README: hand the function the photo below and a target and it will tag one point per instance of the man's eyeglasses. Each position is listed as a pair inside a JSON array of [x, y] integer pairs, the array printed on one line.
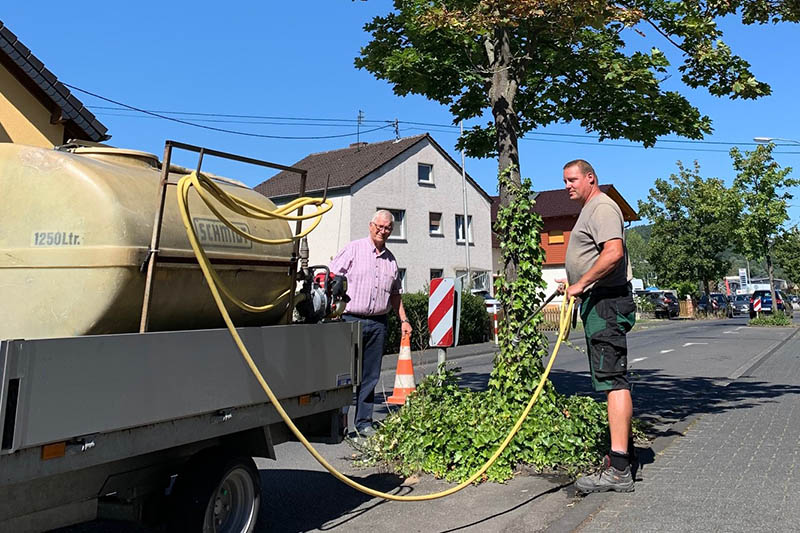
[[384, 229]]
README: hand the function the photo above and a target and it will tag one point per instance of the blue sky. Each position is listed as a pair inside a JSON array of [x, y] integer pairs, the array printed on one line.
[[275, 59]]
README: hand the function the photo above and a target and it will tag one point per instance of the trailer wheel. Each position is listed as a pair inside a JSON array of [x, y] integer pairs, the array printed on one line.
[[218, 495]]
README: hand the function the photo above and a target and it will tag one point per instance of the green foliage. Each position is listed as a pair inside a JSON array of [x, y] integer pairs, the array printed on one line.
[[787, 254], [638, 249], [687, 288], [450, 431], [763, 186], [475, 325], [556, 61], [778, 320], [694, 220]]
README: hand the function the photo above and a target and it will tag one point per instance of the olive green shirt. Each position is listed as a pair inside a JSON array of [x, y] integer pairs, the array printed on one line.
[[600, 221]]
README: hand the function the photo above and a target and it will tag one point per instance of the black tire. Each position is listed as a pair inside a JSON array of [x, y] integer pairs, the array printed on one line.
[[216, 493]]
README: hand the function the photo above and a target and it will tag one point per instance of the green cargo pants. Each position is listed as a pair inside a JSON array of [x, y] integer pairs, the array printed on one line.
[[608, 314]]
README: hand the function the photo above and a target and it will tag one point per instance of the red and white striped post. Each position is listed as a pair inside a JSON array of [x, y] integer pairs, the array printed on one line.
[[441, 315], [496, 341], [757, 306]]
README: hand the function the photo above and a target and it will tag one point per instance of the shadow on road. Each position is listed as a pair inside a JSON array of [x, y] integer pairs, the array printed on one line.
[[663, 399], [304, 500]]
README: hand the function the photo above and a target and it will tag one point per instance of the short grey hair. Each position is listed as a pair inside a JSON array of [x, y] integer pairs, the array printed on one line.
[[383, 213]]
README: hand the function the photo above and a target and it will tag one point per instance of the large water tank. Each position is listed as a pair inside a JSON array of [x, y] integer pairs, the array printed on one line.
[[75, 227]]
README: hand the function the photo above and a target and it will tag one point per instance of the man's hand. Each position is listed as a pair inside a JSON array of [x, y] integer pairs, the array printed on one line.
[[573, 291], [405, 327]]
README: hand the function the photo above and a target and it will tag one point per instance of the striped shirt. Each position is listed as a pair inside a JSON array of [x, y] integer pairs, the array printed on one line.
[[372, 277]]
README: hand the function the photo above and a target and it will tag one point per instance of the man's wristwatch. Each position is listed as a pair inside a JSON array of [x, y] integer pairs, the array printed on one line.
[[405, 322]]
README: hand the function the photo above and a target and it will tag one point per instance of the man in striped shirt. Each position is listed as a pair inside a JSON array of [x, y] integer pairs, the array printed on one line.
[[373, 285]]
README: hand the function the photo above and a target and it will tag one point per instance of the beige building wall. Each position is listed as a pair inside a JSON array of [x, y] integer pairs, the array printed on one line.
[[395, 186], [23, 119]]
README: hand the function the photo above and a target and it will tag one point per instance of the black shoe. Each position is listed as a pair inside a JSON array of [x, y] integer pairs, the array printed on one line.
[[609, 478]]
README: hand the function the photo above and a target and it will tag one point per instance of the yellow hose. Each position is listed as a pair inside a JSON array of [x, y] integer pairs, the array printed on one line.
[[229, 200]]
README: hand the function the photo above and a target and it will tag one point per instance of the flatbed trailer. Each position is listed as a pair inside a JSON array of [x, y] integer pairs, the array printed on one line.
[[162, 425]]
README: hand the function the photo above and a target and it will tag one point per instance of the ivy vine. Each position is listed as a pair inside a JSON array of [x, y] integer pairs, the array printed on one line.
[[450, 431]]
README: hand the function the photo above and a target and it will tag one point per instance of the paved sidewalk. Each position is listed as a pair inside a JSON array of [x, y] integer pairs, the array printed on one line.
[[735, 469]]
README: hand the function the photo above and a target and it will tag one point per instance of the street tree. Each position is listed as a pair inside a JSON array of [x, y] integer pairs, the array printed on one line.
[[530, 63], [787, 254], [637, 254], [694, 222], [763, 185]]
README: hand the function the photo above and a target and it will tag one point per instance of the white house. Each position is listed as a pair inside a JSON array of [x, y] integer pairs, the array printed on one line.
[[420, 184]]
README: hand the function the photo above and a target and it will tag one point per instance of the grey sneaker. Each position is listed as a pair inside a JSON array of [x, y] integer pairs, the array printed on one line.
[[608, 478]]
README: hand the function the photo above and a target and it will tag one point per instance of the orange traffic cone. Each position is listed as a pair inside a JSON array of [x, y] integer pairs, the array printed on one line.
[[404, 378]]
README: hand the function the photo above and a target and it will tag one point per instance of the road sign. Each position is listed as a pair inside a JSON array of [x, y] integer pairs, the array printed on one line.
[[441, 312], [757, 305]]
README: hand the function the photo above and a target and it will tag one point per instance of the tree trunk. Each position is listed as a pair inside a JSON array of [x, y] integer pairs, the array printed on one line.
[[502, 92], [771, 275]]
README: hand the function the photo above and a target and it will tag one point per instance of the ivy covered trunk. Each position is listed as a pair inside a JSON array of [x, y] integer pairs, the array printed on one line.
[[450, 431]]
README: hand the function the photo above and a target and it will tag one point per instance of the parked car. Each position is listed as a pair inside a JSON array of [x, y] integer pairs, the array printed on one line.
[[766, 303], [741, 304], [795, 299], [715, 303], [665, 304]]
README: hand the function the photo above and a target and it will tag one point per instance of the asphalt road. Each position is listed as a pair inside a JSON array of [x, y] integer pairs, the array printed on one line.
[[679, 368]]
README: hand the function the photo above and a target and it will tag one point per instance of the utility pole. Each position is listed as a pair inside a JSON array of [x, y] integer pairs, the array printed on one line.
[[358, 128], [466, 215]]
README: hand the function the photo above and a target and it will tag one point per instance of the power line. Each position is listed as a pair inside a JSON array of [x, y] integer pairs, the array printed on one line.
[[344, 122], [212, 128], [211, 120], [227, 115]]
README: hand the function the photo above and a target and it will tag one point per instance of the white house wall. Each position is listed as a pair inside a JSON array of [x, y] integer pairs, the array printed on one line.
[[395, 186], [332, 233]]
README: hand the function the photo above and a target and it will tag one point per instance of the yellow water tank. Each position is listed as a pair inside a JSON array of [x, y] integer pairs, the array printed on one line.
[[75, 227]]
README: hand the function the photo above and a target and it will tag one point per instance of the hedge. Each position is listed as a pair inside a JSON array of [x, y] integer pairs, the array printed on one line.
[[475, 324]]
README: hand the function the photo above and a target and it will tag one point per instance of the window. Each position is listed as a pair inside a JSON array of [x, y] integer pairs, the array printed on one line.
[[424, 173], [399, 232], [401, 274], [480, 279], [437, 273], [555, 236], [460, 229], [435, 223]]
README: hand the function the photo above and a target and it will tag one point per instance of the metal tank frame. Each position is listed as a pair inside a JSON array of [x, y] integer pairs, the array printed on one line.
[[152, 259]]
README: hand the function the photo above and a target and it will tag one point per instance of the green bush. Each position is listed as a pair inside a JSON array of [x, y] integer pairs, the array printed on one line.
[[475, 324], [771, 320]]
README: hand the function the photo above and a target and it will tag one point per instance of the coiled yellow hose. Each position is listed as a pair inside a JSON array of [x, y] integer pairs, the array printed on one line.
[[209, 191]]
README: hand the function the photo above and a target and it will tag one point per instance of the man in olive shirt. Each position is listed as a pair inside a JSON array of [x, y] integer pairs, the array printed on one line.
[[599, 273]]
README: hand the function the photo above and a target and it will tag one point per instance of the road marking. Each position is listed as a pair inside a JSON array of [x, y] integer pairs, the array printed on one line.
[[638, 359], [667, 351], [685, 344], [729, 331], [741, 327]]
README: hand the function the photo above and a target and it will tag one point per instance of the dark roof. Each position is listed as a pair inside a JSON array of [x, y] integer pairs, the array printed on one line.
[[79, 122], [556, 203], [346, 166]]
